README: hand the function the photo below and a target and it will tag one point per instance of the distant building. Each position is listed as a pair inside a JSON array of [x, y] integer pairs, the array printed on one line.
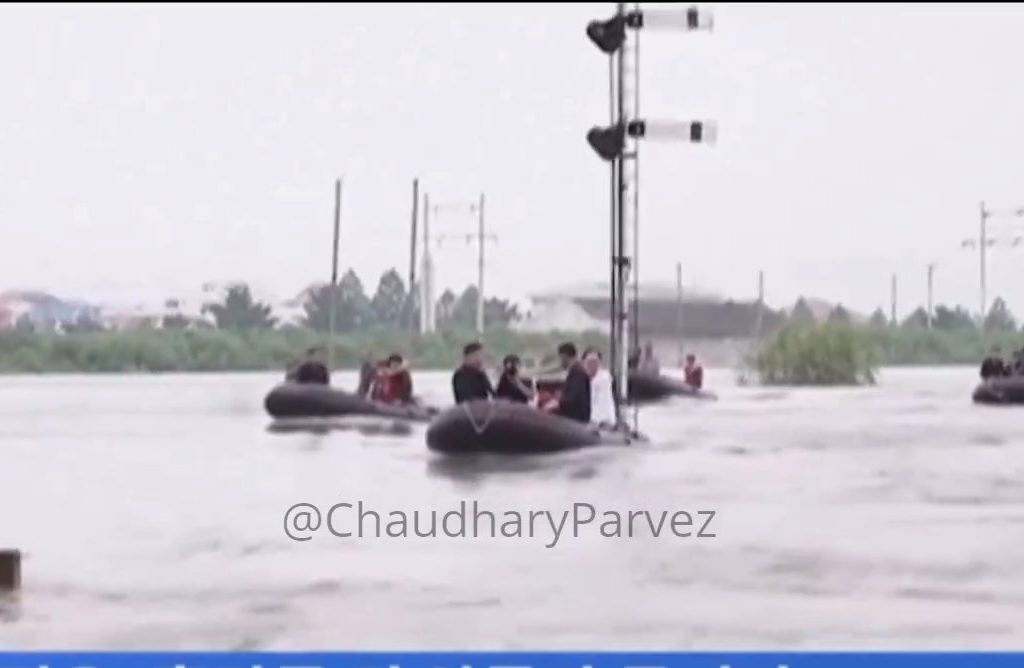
[[43, 310], [702, 315]]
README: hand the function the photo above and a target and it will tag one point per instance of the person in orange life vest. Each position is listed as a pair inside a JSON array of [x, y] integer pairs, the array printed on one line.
[[694, 372], [394, 382]]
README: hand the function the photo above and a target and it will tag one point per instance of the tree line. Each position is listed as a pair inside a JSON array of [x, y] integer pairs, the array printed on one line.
[[944, 318], [392, 306]]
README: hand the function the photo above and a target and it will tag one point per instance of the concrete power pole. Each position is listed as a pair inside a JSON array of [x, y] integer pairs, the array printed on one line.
[[410, 307], [480, 236], [982, 263], [427, 280], [894, 320], [759, 322], [983, 241], [679, 310], [931, 274], [481, 239]]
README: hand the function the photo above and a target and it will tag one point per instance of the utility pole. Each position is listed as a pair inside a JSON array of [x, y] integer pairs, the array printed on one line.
[[427, 280], [894, 320], [481, 237], [931, 273], [983, 242], [758, 323], [331, 312], [983, 264], [410, 310], [609, 143], [679, 310]]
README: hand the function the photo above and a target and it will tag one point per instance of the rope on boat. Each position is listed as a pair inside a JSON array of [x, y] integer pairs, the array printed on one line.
[[479, 429]]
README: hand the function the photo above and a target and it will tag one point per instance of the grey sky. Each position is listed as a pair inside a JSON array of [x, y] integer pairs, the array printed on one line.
[[145, 149]]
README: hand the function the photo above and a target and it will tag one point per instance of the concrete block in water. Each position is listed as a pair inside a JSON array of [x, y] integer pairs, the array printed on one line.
[[10, 570]]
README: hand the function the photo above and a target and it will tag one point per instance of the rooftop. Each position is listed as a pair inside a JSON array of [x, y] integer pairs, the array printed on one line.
[[649, 290]]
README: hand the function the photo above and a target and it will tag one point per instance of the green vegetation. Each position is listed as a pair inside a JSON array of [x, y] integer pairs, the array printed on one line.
[[835, 353], [168, 350], [240, 334], [841, 353]]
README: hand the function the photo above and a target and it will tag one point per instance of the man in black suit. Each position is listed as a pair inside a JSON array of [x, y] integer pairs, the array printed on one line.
[[574, 401], [469, 382]]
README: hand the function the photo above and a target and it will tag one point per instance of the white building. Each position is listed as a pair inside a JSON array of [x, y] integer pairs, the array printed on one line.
[[585, 307]]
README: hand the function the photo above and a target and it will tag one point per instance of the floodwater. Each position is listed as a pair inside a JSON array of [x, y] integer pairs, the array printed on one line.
[[151, 514]]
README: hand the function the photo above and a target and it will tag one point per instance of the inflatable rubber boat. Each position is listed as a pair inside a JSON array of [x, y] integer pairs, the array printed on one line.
[[647, 387], [506, 427], [643, 387], [1001, 391], [294, 400]]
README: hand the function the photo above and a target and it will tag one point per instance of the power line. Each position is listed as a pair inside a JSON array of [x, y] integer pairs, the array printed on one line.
[[983, 242], [480, 236]]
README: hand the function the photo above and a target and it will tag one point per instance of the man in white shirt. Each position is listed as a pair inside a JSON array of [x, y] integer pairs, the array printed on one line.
[[602, 403]]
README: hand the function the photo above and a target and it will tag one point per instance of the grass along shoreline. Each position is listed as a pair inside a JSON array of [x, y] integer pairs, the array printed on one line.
[[170, 351], [825, 354]]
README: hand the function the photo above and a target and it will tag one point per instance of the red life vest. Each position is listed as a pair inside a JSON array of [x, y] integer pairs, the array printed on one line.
[[383, 388], [544, 396], [390, 387], [695, 377]]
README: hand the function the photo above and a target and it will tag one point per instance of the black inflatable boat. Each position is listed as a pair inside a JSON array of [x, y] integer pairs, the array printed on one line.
[[647, 387], [1001, 391], [505, 427], [643, 388], [294, 400]]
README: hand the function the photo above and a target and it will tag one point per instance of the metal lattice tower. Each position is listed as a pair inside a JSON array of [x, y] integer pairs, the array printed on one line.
[[618, 144]]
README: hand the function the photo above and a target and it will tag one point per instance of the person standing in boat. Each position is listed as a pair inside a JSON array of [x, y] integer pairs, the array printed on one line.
[[694, 372], [633, 359], [993, 366], [394, 382], [469, 382], [574, 401], [649, 363], [367, 377], [1016, 368], [602, 403], [291, 371], [313, 370], [511, 386]]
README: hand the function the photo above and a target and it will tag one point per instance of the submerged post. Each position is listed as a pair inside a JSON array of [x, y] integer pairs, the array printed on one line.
[[10, 570]]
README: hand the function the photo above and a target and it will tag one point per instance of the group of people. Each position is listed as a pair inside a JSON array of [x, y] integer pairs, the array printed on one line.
[[387, 381], [648, 363], [312, 370], [585, 395], [996, 366]]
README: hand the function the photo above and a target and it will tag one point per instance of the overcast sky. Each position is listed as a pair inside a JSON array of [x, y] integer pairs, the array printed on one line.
[[146, 149]]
